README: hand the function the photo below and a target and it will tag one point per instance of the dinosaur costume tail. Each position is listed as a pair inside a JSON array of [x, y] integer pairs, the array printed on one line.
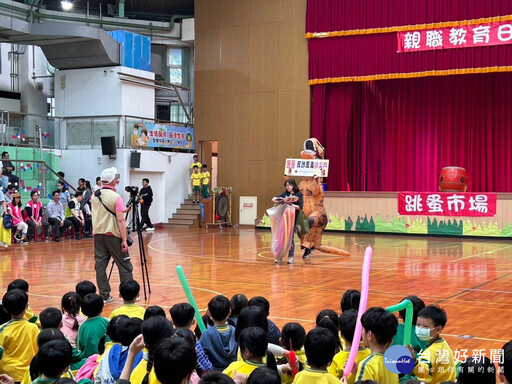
[[332, 250]]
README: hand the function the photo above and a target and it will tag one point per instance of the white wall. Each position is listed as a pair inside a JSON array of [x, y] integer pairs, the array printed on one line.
[[173, 167], [33, 91], [31, 61], [100, 92], [5, 79]]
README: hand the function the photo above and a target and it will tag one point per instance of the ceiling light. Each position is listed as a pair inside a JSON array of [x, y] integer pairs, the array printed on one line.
[[66, 5]]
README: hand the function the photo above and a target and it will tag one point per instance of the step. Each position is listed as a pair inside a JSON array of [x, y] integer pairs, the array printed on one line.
[[189, 204], [186, 211], [184, 216], [181, 221], [178, 226]]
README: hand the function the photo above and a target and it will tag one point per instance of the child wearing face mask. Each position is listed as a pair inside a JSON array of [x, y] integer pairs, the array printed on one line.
[[435, 364]]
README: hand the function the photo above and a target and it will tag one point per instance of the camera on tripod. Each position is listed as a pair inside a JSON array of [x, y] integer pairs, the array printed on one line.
[[132, 190]]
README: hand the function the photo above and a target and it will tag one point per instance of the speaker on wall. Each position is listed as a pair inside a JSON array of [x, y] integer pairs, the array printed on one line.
[[108, 145], [135, 160]]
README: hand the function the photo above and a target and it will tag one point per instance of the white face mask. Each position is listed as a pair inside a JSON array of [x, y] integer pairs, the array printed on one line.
[[423, 333]]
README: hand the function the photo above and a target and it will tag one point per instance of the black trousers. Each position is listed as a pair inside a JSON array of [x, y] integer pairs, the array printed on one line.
[[144, 213], [32, 227], [77, 224], [55, 223]]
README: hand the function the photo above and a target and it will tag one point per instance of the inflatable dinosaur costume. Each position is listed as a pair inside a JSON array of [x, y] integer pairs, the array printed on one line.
[[314, 210]]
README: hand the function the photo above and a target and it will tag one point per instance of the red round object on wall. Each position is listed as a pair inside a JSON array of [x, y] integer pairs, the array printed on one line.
[[453, 179]]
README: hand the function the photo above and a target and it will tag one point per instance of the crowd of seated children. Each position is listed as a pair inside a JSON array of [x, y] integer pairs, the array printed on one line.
[[112, 352]]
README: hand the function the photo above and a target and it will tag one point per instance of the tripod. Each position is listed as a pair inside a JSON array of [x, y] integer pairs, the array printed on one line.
[[136, 227]]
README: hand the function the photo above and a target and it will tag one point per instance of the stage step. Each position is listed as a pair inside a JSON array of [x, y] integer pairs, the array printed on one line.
[[188, 222], [188, 211], [184, 216], [188, 215]]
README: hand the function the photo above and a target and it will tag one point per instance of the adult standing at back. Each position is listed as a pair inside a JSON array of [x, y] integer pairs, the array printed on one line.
[[110, 237], [146, 198]]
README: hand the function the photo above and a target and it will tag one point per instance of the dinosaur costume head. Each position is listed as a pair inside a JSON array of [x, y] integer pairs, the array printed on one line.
[[312, 149]]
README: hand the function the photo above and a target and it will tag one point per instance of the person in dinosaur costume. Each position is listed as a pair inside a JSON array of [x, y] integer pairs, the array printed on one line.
[[313, 194]]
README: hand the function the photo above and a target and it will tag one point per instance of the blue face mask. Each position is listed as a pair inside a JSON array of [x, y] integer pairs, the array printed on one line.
[[423, 333]]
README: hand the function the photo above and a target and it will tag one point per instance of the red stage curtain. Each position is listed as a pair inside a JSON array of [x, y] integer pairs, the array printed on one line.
[[397, 135], [339, 15], [376, 54], [334, 59]]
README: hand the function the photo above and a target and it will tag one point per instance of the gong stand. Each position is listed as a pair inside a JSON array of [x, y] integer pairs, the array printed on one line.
[[221, 207]]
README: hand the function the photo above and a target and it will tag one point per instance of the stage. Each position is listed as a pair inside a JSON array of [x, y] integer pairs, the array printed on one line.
[[470, 278]]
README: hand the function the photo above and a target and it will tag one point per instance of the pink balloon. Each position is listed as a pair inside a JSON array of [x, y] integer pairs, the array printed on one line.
[[365, 285]]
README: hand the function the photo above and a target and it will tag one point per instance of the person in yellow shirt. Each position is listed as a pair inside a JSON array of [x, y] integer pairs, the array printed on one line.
[[195, 163], [205, 181], [196, 183], [293, 336], [154, 330], [30, 316], [18, 337], [263, 375], [379, 328], [253, 342], [54, 359], [436, 363], [45, 336], [129, 292], [320, 348], [347, 326]]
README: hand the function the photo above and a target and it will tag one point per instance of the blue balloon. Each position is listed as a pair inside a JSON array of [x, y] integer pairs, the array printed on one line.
[[201, 205]]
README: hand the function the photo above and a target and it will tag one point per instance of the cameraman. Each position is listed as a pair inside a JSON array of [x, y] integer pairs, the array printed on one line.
[[109, 233], [146, 198]]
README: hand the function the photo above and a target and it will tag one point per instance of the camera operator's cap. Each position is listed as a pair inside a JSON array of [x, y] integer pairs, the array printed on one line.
[[108, 175]]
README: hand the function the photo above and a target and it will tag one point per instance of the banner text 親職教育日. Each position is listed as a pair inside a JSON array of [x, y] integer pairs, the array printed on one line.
[[462, 36], [447, 204], [162, 136]]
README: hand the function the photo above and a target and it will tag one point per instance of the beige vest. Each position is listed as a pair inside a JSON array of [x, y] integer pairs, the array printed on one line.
[[102, 220]]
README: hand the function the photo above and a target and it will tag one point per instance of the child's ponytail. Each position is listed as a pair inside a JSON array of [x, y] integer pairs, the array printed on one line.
[[271, 361], [70, 303], [151, 352]]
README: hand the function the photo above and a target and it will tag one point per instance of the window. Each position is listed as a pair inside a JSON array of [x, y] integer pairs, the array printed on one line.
[[50, 102], [174, 61]]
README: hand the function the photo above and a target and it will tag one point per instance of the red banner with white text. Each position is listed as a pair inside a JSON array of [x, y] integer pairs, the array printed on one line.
[[463, 36], [447, 204]]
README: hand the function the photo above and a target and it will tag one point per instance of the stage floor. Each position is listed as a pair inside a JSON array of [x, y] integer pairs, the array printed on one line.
[[471, 279]]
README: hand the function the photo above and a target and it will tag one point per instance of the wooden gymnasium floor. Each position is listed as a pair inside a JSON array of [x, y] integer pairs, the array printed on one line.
[[471, 279]]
